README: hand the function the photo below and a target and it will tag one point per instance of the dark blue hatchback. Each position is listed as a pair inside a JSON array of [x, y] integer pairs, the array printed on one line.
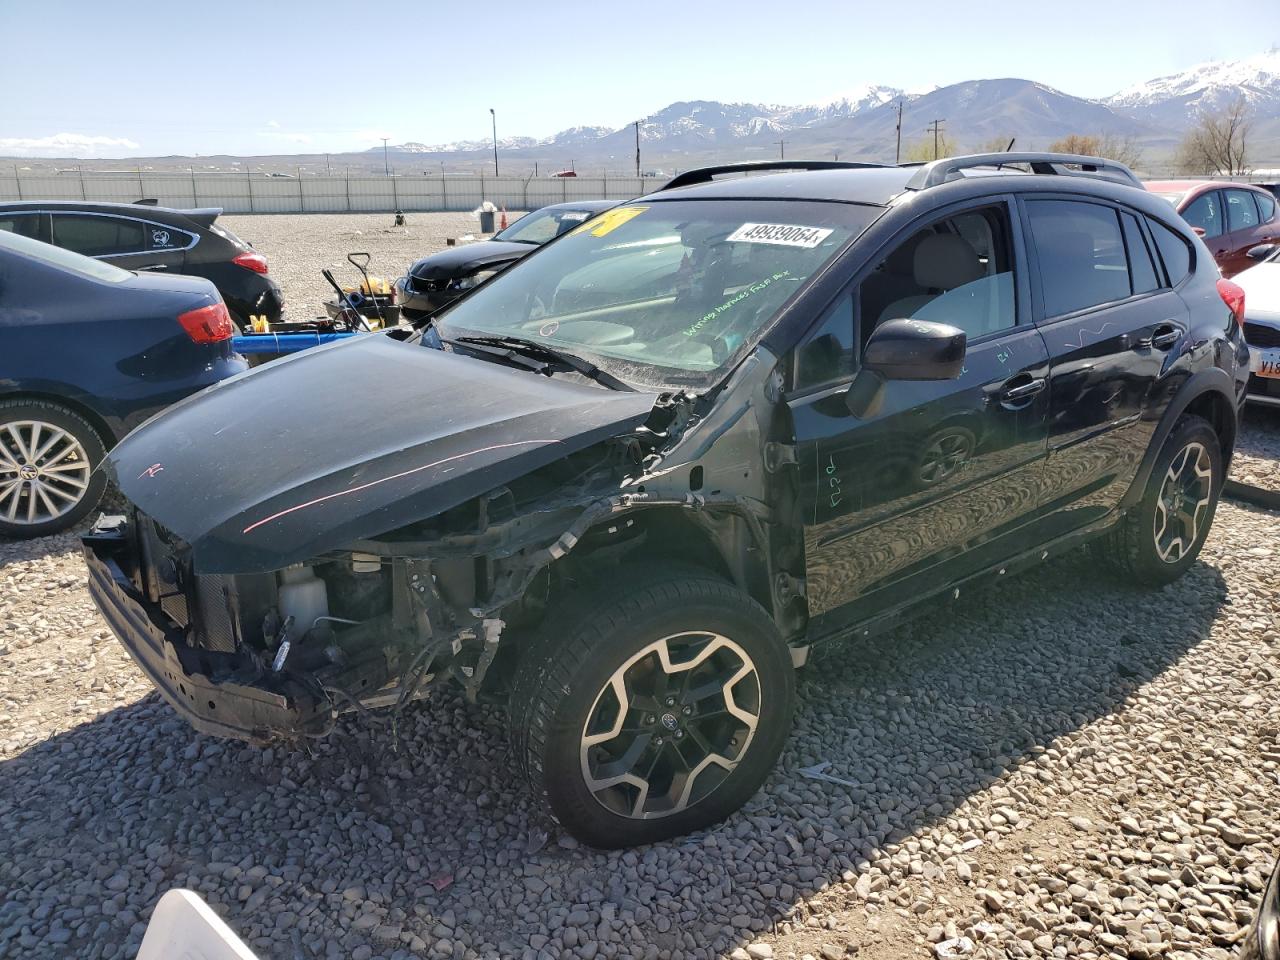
[[87, 352]]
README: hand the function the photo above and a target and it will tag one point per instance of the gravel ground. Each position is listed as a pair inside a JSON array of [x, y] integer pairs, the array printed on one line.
[[298, 246], [1257, 459], [1064, 767]]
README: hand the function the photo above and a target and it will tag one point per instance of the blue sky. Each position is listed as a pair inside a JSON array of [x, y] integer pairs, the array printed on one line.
[[282, 76]]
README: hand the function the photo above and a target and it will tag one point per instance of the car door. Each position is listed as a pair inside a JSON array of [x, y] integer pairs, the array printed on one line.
[[127, 242], [1244, 229], [941, 478], [1205, 215], [1110, 320]]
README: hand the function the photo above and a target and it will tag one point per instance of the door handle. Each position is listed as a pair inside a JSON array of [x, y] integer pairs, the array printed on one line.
[[1164, 337], [1022, 391], [153, 266]]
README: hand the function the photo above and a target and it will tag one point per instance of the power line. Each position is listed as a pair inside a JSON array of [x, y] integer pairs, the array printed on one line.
[[782, 149]]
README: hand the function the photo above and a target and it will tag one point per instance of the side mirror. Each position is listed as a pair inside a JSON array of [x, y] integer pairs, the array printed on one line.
[[915, 350], [904, 350], [1261, 251]]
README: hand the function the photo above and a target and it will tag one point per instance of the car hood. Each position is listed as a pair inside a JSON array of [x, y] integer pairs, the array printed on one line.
[[470, 257], [1261, 285], [349, 441]]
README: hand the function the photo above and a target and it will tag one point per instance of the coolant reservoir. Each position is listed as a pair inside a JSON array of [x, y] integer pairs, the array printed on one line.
[[303, 596]]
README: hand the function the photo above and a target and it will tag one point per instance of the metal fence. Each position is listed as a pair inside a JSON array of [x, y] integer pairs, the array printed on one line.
[[258, 193]]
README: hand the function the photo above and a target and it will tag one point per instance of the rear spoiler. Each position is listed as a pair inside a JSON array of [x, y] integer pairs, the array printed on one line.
[[200, 216], [204, 216]]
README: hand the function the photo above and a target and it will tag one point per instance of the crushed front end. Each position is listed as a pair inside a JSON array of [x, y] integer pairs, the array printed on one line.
[[276, 655]]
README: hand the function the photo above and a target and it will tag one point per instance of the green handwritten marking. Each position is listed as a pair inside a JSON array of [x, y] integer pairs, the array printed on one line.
[[735, 299]]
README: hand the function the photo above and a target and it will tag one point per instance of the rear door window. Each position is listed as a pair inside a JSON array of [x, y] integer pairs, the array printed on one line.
[[1242, 212], [96, 236], [1082, 255], [1205, 212], [1142, 270]]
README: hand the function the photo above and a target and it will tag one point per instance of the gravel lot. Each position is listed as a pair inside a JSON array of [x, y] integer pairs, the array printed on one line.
[[297, 247], [1064, 767]]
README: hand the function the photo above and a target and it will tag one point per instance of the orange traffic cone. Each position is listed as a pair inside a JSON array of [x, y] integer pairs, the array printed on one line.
[[502, 223]]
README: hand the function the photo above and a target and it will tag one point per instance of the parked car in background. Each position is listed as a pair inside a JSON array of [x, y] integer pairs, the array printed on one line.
[[153, 239], [1231, 218], [436, 281], [1261, 284], [846, 391], [87, 352]]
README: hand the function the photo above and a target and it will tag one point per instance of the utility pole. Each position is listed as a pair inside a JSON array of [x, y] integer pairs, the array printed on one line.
[[494, 117], [782, 149], [386, 166], [897, 153], [637, 148], [936, 127]]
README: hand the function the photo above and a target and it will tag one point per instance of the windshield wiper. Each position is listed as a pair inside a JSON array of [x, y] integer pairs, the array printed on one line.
[[529, 348]]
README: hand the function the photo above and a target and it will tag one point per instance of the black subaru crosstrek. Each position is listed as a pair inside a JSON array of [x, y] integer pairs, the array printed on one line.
[[637, 476], [153, 239]]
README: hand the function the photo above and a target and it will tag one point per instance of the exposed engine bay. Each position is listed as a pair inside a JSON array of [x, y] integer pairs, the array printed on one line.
[[376, 623]]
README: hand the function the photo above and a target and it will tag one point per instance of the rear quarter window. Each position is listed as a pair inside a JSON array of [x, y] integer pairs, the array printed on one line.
[[1175, 252]]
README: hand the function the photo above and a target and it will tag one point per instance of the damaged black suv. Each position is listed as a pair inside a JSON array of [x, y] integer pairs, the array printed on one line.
[[625, 485]]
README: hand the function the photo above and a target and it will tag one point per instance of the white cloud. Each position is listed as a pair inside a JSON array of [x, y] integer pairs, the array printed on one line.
[[273, 123], [66, 145]]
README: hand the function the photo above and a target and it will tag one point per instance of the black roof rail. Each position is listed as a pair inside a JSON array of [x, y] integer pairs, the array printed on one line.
[[147, 202], [706, 174], [949, 168]]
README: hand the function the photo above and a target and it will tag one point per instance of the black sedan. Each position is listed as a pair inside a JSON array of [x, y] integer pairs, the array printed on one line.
[[87, 352], [436, 281], [155, 239]]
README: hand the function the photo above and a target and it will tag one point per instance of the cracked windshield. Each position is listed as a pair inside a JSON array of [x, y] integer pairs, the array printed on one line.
[[682, 286]]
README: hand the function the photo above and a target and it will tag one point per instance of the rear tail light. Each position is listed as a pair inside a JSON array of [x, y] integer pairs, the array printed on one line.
[[1233, 296], [210, 324], [251, 261]]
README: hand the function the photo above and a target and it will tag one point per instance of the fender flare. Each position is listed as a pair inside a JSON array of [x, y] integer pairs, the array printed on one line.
[[1211, 380]]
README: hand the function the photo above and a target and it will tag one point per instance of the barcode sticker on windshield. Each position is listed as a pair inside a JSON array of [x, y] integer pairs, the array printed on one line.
[[782, 234]]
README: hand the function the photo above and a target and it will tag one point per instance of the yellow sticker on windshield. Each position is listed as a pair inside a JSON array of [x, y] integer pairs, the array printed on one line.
[[609, 221]]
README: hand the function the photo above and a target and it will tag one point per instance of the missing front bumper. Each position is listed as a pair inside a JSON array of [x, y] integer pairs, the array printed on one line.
[[218, 693]]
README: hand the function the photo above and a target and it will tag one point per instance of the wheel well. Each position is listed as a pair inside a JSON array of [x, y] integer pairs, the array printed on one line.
[[721, 544], [104, 432], [1221, 415]]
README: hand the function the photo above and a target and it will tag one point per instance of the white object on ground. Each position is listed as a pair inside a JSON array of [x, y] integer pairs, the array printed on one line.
[[184, 926], [950, 949], [819, 772]]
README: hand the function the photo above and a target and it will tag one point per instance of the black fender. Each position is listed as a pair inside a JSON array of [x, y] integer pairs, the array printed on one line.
[[1212, 380]]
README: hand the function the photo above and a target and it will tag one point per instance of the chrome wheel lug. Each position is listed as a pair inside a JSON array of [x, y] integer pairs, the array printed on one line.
[[650, 719], [687, 711], [670, 701]]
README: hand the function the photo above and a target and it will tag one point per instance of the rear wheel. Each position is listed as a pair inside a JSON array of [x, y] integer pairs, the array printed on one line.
[[653, 708], [47, 458], [1162, 536]]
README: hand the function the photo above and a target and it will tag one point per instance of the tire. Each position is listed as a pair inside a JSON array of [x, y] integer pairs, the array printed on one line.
[[1160, 538], [62, 485], [605, 644]]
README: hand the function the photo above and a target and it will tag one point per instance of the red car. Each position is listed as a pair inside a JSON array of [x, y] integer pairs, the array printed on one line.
[[1231, 217]]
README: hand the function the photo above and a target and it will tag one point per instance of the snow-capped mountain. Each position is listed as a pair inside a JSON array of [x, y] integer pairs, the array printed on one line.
[[1179, 97], [861, 123], [848, 104]]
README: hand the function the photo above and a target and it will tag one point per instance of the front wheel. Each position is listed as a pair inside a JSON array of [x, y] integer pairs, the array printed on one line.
[[1161, 537], [653, 708]]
